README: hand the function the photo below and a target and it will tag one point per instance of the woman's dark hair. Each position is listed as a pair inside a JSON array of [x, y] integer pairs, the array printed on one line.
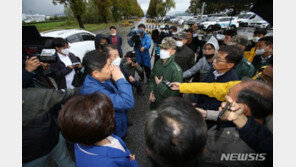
[[94, 60], [59, 42], [87, 119], [175, 134]]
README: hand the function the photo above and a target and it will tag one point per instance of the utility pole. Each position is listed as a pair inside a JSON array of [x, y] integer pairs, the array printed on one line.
[[202, 9]]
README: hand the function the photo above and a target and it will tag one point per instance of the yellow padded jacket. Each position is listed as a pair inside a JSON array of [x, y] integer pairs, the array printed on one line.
[[217, 90]]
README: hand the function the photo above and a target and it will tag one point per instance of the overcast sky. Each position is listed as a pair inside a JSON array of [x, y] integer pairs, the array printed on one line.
[[46, 6]]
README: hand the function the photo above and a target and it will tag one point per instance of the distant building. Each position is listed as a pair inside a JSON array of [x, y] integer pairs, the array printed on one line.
[[30, 18]]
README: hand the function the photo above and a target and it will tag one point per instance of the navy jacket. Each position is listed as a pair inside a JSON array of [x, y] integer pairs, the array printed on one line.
[[60, 70], [208, 103], [257, 136], [119, 43], [122, 98], [94, 156]]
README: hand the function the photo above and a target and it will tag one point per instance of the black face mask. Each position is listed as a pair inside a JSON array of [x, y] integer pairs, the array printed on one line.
[[102, 46], [209, 56]]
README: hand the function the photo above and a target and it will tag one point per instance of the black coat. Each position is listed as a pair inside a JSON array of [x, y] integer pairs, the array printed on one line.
[[209, 103], [40, 133], [257, 62], [60, 71]]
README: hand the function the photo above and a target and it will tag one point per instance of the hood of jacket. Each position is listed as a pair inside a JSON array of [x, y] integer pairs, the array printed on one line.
[[213, 41], [98, 39]]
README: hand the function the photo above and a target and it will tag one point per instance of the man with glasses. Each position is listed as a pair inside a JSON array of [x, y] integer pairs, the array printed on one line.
[[227, 57]]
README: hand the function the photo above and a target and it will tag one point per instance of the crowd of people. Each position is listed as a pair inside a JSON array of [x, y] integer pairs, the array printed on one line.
[[211, 101]]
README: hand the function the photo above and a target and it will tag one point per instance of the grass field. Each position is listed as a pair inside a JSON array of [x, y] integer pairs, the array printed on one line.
[[69, 25]]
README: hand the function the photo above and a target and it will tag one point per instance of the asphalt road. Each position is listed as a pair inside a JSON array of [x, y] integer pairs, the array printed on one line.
[[135, 133]]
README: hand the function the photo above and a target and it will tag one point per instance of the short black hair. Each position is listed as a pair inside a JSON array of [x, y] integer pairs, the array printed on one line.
[[112, 27], [260, 31], [230, 32], [174, 28], [59, 42], [94, 60], [130, 54], [142, 26], [268, 40], [190, 30], [234, 53], [87, 119], [175, 134], [258, 96]]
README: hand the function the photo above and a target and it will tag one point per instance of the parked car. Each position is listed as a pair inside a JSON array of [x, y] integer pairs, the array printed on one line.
[[222, 22], [260, 24], [80, 41], [247, 18]]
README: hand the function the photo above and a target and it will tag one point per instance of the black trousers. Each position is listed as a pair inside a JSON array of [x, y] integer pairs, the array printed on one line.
[[147, 72]]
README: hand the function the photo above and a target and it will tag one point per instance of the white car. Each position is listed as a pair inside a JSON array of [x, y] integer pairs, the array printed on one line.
[[223, 22], [80, 41], [260, 24], [248, 18]]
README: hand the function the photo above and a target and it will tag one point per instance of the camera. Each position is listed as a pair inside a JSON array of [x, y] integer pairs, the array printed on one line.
[[134, 38], [35, 45], [134, 59]]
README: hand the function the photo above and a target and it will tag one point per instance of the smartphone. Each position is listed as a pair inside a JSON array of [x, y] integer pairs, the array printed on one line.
[[167, 83], [221, 114], [76, 63]]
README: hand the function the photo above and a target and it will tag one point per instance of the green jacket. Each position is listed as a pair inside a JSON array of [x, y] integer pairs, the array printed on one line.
[[244, 69], [170, 71], [38, 101], [132, 69]]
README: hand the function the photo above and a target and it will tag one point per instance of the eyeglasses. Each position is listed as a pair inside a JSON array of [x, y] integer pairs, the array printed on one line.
[[218, 60], [205, 48]]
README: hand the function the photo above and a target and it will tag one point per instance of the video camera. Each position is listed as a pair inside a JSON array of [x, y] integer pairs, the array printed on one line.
[[132, 55], [35, 45], [134, 38]]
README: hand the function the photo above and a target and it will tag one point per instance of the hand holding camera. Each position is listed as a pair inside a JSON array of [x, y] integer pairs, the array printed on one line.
[[32, 64]]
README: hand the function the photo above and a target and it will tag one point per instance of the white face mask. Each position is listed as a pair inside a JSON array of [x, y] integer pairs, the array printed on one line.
[[113, 34], [255, 39], [164, 54], [117, 61], [260, 51], [65, 51], [179, 43]]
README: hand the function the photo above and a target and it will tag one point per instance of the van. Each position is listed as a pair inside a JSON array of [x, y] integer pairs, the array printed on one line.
[[247, 18]]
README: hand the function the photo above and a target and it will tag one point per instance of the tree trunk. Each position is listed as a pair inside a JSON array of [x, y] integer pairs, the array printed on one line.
[[105, 19], [80, 22]]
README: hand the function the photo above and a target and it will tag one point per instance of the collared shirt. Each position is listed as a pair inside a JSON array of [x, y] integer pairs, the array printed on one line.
[[263, 60], [69, 77], [216, 74]]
